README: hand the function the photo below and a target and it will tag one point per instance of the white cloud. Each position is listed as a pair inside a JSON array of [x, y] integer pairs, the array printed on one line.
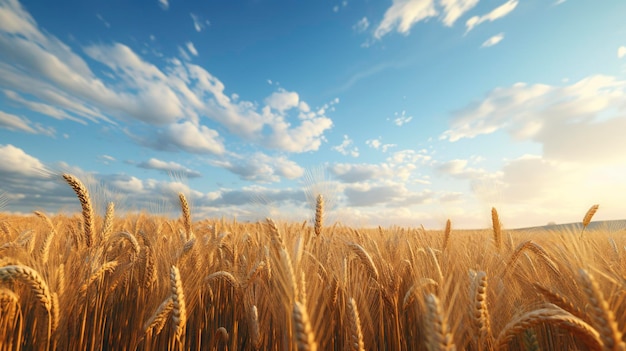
[[14, 161], [403, 14], [13, 122], [261, 167], [362, 25], [378, 145], [191, 48], [454, 9], [198, 22], [592, 110], [345, 148], [38, 65], [169, 168], [401, 119], [188, 137], [493, 40], [495, 14], [621, 52], [282, 100], [559, 2], [164, 4]]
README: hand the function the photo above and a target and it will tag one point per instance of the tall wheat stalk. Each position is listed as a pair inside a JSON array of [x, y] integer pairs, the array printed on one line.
[[85, 201]]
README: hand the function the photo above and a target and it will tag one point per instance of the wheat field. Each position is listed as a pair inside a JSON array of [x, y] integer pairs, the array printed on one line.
[[144, 282]]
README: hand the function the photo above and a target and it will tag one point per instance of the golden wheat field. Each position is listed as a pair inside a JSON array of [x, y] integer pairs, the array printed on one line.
[[143, 282]]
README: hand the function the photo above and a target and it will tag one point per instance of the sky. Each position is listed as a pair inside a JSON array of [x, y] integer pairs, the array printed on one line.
[[401, 112]]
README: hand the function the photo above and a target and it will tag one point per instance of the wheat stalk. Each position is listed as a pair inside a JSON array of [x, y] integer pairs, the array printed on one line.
[[305, 339], [552, 316], [179, 313], [601, 315], [107, 227], [365, 259], [85, 202], [446, 234], [255, 331], [44, 250], [107, 267], [560, 301], [184, 205], [438, 337], [356, 335], [588, 216], [31, 278], [480, 312], [319, 214], [497, 228], [228, 277], [158, 319]]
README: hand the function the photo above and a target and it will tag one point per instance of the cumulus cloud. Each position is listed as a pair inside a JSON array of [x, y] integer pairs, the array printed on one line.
[[399, 165], [261, 167], [558, 117], [187, 137], [493, 40], [282, 100], [14, 161], [176, 96], [169, 168], [346, 148], [493, 15], [403, 14]]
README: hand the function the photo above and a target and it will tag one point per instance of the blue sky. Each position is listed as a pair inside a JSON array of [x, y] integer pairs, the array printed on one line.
[[403, 112]]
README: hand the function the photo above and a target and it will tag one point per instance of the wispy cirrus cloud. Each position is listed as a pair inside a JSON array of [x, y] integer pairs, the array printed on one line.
[[199, 23], [493, 40], [13, 122], [493, 15]]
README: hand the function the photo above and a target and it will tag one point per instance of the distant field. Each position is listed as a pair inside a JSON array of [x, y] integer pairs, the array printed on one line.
[[143, 282]]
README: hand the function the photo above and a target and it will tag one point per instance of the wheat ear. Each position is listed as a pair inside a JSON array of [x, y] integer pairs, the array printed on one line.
[[305, 338], [319, 214], [107, 227], [44, 250], [179, 314], [446, 234], [438, 337], [588, 216], [552, 316], [107, 267], [255, 330], [497, 228], [158, 319], [30, 277], [559, 300], [365, 259], [480, 312], [184, 205], [85, 202], [356, 335], [601, 315]]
